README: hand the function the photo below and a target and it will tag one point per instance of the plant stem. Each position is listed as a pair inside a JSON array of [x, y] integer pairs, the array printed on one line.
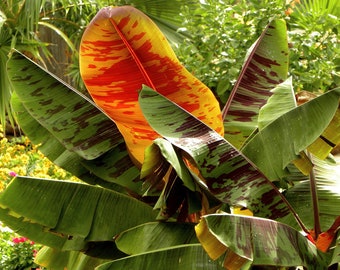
[[315, 202]]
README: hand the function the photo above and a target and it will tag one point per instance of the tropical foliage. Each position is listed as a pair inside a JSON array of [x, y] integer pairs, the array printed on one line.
[[49, 31], [181, 205]]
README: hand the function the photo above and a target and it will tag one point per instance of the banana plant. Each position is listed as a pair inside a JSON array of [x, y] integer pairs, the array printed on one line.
[[170, 178]]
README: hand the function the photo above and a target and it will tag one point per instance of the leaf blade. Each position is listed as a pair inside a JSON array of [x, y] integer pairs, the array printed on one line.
[[115, 79], [265, 68], [263, 241], [227, 174]]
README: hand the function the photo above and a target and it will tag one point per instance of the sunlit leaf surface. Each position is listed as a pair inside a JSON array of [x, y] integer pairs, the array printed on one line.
[[156, 235], [72, 210], [281, 141], [121, 50]]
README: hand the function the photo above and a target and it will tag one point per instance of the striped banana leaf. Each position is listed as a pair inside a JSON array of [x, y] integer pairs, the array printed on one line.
[[265, 68], [259, 241], [71, 130], [223, 170]]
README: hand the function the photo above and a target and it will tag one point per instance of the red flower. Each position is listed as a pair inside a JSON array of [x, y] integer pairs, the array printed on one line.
[[13, 174], [18, 240]]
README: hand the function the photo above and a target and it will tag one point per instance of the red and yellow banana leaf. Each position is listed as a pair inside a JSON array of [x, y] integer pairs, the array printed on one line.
[[121, 50]]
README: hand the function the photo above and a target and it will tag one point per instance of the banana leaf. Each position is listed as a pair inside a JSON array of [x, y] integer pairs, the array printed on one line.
[[86, 144], [224, 171], [281, 141], [336, 253], [261, 241], [266, 67], [152, 158], [327, 177], [61, 260], [76, 211], [121, 50], [182, 257], [64, 115], [281, 101], [155, 235]]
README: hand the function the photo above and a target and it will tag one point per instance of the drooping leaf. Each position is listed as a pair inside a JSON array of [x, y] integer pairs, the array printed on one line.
[[224, 171], [79, 125], [261, 241], [109, 160], [281, 141], [121, 50], [181, 257], [72, 209], [265, 68], [61, 260], [154, 236], [39, 233]]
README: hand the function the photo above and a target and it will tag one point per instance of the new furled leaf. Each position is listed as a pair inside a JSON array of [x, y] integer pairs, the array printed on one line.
[[223, 170]]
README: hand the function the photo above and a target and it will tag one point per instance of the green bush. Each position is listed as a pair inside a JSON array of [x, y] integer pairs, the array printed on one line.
[[222, 31], [17, 253]]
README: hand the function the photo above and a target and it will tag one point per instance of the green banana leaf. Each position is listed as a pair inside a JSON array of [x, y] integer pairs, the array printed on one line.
[[62, 260], [156, 235], [266, 67], [281, 141], [76, 211], [166, 14], [261, 241], [281, 101], [226, 173], [73, 119], [336, 253], [88, 145], [327, 177], [182, 257]]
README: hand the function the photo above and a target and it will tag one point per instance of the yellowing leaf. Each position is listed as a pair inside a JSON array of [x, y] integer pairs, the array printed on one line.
[[212, 246]]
